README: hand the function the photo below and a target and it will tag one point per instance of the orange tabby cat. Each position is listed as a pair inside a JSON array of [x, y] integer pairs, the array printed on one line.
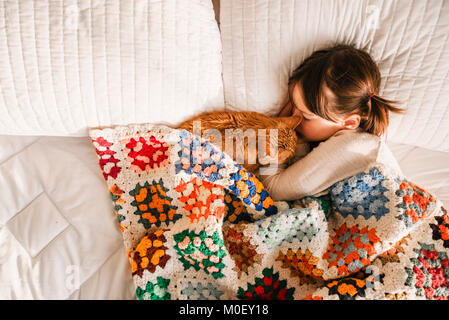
[[225, 121]]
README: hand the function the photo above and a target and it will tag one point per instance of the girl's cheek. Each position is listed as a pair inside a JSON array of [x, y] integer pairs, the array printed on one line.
[[312, 131], [304, 130]]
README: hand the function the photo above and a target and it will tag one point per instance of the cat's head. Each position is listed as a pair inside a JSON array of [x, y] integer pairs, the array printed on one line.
[[286, 141], [283, 137]]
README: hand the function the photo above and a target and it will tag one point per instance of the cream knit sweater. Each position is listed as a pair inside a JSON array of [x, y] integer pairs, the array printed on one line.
[[343, 155]]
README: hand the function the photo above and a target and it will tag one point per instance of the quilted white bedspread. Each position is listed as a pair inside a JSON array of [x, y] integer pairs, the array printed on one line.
[[58, 235]]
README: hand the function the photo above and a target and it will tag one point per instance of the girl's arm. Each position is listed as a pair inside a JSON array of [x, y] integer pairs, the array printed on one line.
[[343, 155]]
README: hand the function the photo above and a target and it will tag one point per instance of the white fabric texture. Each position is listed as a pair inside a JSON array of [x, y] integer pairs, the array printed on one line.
[[265, 40], [425, 167], [58, 235], [67, 65]]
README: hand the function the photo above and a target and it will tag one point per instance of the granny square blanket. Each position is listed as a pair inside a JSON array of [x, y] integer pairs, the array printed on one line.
[[196, 225]]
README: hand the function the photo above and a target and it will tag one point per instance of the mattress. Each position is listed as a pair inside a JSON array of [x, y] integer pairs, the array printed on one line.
[[58, 234]]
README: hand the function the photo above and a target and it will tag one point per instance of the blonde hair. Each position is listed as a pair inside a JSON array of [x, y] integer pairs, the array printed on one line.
[[354, 80]]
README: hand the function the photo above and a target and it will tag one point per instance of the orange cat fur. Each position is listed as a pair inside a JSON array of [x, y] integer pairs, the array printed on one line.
[[221, 120]]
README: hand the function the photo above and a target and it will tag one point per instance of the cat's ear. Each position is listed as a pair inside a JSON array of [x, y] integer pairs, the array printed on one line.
[[291, 122]]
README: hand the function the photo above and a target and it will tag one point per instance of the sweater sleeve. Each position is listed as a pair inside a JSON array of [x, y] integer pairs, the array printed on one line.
[[346, 153]]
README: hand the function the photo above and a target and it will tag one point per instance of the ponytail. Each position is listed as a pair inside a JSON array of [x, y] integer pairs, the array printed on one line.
[[377, 115]]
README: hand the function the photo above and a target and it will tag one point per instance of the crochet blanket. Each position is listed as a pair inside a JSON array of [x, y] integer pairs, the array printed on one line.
[[196, 225]]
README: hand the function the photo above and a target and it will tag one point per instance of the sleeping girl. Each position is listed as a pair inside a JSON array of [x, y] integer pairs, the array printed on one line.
[[336, 93]]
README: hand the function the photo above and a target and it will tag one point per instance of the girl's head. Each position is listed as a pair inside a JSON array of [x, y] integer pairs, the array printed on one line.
[[337, 89]]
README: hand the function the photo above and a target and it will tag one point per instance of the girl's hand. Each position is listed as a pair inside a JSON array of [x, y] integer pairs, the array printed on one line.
[[301, 139]]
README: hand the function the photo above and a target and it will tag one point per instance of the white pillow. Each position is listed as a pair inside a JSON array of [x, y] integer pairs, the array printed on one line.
[[265, 40], [67, 65]]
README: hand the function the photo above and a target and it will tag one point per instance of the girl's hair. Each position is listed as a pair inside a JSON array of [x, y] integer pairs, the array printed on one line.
[[342, 80]]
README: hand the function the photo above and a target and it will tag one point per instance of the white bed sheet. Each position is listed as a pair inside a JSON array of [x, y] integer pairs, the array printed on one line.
[[58, 235], [427, 168]]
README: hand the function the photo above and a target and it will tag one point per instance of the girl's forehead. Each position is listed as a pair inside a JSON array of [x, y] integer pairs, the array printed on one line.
[[297, 96]]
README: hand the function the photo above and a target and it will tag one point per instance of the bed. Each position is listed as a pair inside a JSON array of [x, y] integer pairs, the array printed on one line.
[[76, 66]]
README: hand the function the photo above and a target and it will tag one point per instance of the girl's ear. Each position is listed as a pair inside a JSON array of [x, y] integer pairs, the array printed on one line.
[[352, 121], [291, 122]]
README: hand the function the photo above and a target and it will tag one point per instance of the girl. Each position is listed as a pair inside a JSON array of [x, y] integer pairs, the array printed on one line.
[[335, 91]]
